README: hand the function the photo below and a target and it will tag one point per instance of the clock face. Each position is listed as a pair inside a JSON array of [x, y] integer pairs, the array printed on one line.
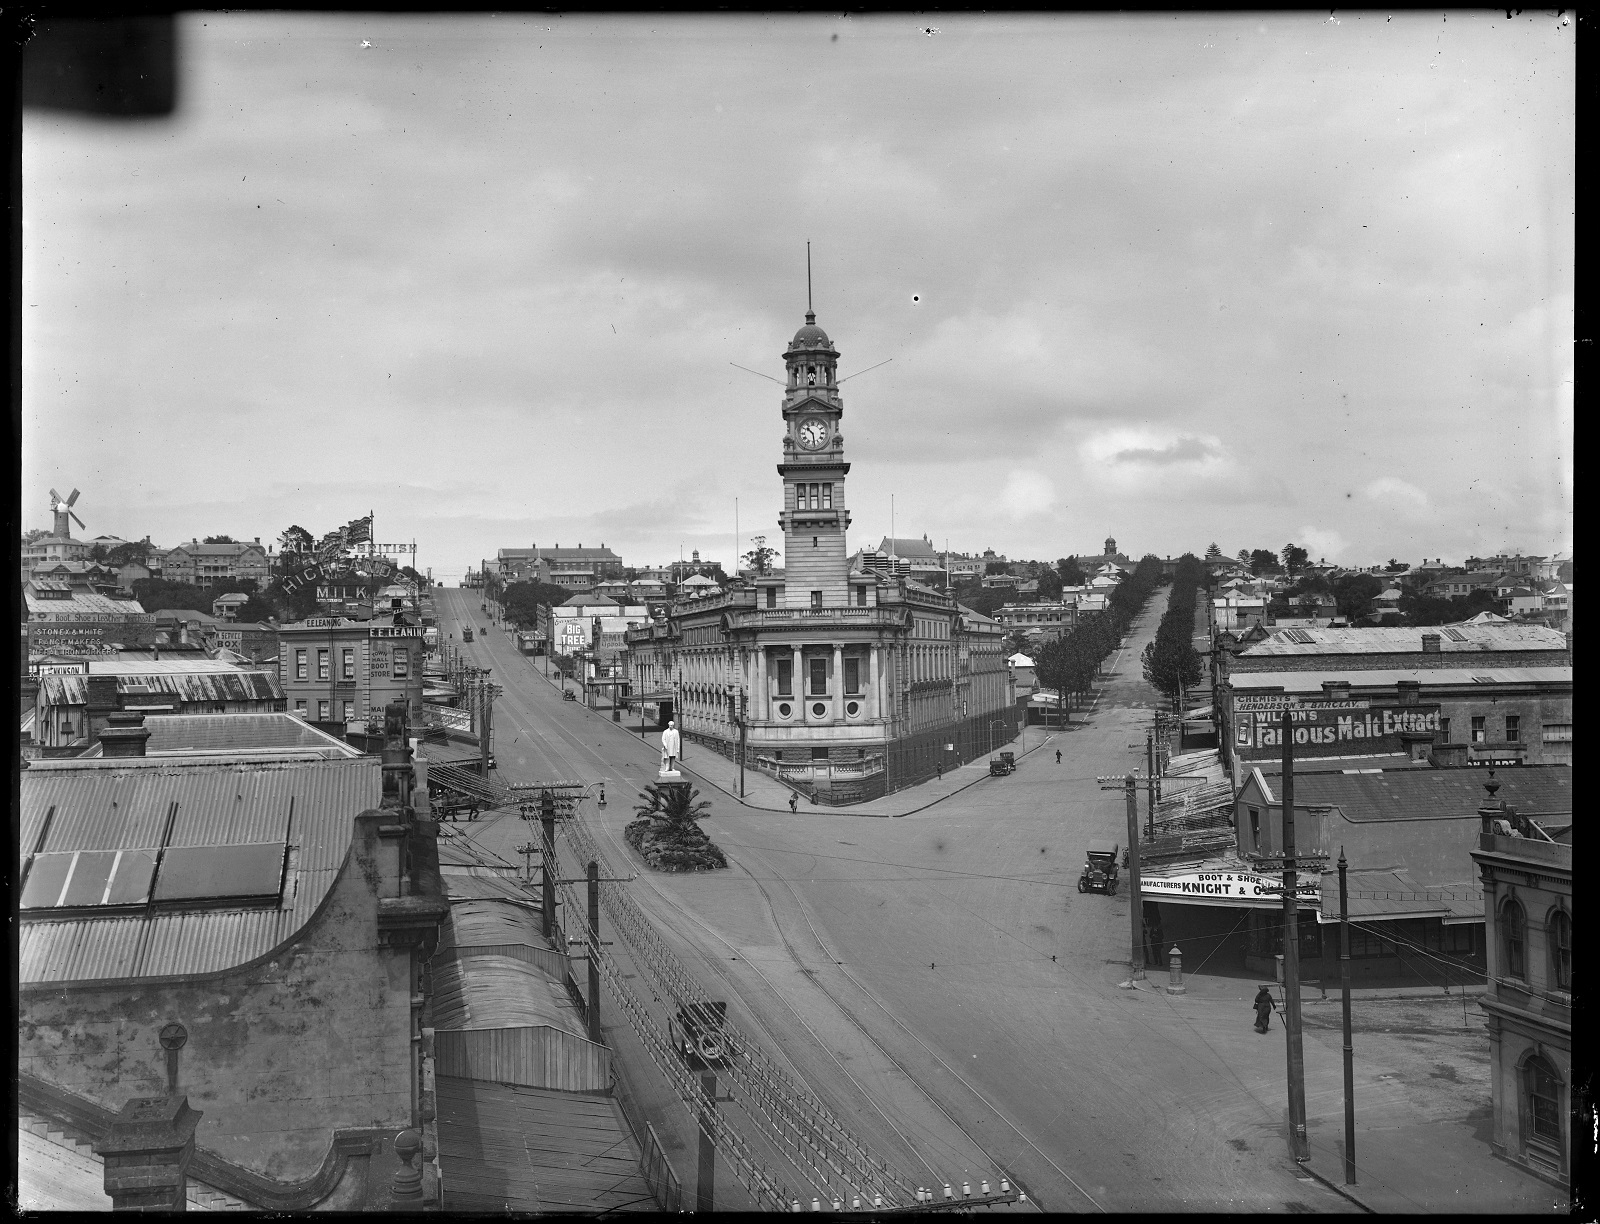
[[813, 434]]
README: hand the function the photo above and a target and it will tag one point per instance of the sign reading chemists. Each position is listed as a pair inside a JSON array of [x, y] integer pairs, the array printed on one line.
[[1227, 888], [1328, 728]]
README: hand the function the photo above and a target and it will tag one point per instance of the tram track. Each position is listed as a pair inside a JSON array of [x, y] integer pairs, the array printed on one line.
[[522, 707]]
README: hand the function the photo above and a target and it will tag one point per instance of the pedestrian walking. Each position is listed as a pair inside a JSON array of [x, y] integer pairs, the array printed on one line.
[[1264, 1009], [794, 802], [938, 773], [1058, 756]]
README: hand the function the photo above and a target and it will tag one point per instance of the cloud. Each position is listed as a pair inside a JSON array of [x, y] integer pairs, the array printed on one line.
[[1146, 458], [1322, 544], [1399, 495], [1027, 494]]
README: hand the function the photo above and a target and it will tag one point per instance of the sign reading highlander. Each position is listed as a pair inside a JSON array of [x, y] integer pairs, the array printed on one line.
[[1228, 888]]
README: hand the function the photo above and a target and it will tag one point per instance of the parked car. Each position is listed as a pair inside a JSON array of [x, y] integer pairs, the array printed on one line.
[[1005, 763], [1100, 868]]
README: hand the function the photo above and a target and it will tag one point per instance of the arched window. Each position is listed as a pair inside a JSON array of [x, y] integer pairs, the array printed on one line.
[[1560, 941], [1513, 940], [1543, 1088]]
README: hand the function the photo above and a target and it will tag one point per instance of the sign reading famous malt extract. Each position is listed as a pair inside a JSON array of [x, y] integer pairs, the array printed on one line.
[[1332, 728], [1229, 888]]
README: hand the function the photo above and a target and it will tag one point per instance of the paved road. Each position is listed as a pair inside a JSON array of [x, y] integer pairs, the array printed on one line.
[[938, 978]]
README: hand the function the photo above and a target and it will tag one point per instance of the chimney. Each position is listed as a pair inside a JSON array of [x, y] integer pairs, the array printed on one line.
[[147, 1150], [183, 633], [1336, 690], [125, 735], [100, 704], [1430, 643], [1410, 691]]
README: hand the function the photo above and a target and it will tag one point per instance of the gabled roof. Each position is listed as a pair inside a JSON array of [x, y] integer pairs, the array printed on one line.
[[237, 735], [1453, 639], [913, 549], [128, 803], [217, 550]]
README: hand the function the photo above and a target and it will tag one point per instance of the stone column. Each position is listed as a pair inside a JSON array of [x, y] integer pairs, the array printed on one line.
[[799, 684], [147, 1152], [760, 706], [874, 706], [838, 681]]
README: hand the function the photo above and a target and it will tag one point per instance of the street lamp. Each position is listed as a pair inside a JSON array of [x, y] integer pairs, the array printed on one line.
[[998, 722]]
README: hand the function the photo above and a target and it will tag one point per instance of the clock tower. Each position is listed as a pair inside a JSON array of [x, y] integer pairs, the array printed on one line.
[[814, 517]]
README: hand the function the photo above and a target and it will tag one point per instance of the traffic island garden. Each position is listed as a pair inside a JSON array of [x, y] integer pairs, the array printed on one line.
[[667, 832]]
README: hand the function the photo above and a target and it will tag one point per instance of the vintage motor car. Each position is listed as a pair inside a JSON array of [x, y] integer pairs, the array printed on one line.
[[1002, 765], [1100, 868]]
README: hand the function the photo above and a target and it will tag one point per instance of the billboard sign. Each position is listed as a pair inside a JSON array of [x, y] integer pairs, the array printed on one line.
[[1334, 729], [1229, 888]]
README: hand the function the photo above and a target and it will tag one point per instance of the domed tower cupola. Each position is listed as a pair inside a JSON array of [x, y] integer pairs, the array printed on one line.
[[811, 357]]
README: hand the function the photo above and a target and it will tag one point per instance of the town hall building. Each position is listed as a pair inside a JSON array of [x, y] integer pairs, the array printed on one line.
[[845, 682]]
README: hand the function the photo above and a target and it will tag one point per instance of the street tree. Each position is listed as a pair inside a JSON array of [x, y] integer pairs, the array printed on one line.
[[760, 557]]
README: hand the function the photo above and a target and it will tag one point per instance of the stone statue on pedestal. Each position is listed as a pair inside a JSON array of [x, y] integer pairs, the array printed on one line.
[[670, 745]]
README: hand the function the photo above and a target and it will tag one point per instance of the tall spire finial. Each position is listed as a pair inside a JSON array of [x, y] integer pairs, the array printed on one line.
[[811, 315]]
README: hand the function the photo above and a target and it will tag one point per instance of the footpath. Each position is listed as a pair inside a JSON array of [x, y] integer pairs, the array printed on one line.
[[764, 793], [1411, 1157]]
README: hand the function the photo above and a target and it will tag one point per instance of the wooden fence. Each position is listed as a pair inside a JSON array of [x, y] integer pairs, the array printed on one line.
[[537, 1056]]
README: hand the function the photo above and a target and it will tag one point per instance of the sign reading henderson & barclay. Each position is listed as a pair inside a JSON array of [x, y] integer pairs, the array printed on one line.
[[1228, 888], [1334, 729]]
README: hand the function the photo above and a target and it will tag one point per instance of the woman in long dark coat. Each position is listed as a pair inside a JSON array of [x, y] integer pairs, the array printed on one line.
[[1263, 1009]]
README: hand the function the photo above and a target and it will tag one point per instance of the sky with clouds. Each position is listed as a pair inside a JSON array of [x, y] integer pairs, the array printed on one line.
[[1171, 278]]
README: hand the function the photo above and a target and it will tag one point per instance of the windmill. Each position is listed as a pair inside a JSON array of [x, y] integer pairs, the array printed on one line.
[[62, 509]]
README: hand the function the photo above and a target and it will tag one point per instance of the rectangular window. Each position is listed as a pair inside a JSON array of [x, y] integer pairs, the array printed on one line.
[[772, 597], [785, 677], [300, 665], [1444, 730], [349, 710], [816, 599], [861, 597], [402, 664], [1255, 828], [1513, 728], [819, 677], [300, 705], [852, 675], [1558, 733], [322, 711], [827, 497], [322, 665], [1477, 729], [819, 754], [348, 668]]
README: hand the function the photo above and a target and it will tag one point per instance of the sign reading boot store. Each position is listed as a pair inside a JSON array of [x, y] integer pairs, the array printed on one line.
[[1327, 728]]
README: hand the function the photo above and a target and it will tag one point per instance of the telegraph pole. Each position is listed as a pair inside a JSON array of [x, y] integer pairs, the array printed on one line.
[[1291, 955], [547, 883], [594, 953], [1349, 1049], [1135, 903], [1150, 773]]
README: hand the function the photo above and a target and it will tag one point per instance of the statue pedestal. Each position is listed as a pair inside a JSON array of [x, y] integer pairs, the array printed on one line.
[[669, 775]]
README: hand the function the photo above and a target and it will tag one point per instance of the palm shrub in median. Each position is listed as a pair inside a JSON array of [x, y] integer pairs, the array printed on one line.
[[667, 832]]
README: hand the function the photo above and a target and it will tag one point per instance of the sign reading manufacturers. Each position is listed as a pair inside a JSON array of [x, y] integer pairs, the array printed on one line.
[[1334, 729], [1228, 888]]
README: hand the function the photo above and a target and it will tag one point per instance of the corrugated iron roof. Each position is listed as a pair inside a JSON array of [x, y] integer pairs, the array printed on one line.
[[125, 803], [475, 924], [226, 684], [1431, 794], [1393, 640], [486, 992], [1386, 677], [1389, 893], [79, 603], [221, 734]]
